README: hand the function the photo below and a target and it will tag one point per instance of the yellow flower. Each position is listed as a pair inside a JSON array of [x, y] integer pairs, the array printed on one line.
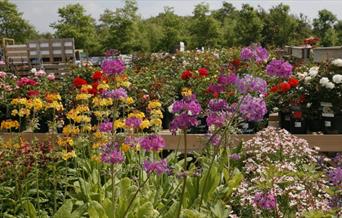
[[145, 124], [9, 124], [67, 155], [37, 104], [157, 113], [125, 84], [18, 101], [71, 130], [86, 128], [58, 106], [96, 158], [125, 147], [24, 112], [14, 112], [85, 88], [119, 124], [50, 97], [62, 141], [186, 92], [98, 134], [95, 145], [83, 96], [156, 122], [154, 104], [137, 114], [102, 102], [101, 114], [128, 100], [103, 86], [82, 108]]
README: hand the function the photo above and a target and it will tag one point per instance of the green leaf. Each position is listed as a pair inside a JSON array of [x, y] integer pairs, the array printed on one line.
[[30, 210], [65, 210], [145, 211], [171, 211], [96, 210], [192, 214], [219, 210]]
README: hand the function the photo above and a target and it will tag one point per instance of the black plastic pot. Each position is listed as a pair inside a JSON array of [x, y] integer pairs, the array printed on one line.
[[338, 123], [247, 127], [298, 126], [285, 120], [202, 128], [314, 124], [328, 125], [167, 118]]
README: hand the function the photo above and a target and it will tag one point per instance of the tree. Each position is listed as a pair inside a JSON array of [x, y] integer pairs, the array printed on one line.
[[12, 24], [338, 30], [205, 30], [122, 29], [74, 23], [249, 26], [323, 27]]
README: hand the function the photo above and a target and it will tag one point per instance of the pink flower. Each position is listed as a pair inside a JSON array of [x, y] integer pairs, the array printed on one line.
[[51, 76], [40, 73], [3, 74], [24, 81]]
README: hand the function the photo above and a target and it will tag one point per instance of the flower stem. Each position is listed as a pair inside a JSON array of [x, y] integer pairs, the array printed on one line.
[[113, 185], [185, 176]]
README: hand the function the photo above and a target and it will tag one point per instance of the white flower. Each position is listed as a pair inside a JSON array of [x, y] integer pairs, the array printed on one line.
[[330, 85], [337, 78], [337, 62], [307, 79], [170, 108], [33, 70], [324, 81], [313, 71], [302, 75]]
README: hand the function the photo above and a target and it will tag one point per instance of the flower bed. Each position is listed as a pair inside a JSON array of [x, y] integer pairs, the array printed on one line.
[[109, 160]]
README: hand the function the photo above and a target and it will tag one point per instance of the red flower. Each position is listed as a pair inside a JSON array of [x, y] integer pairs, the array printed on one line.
[[284, 86], [236, 62], [215, 94], [32, 93], [78, 82], [274, 89], [297, 114], [293, 82], [97, 75], [203, 72], [186, 75]]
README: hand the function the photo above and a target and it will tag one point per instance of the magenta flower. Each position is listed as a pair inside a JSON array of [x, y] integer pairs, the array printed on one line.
[[249, 84], [152, 143], [246, 54], [158, 167], [133, 122], [265, 201], [335, 176], [24, 81], [218, 105], [279, 68], [215, 119], [253, 108], [227, 79], [106, 126], [115, 94], [259, 54], [111, 155], [113, 67]]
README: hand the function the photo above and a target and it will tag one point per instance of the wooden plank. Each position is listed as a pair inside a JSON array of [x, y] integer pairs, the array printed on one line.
[[196, 142]]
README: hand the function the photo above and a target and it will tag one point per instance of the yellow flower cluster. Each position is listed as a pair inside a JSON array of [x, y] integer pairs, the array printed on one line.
[[103, 86], [26, 105], [186, 92], [118, 124], [77, 116], [102, 102], [83, 96], [101, 114], [128, 100], [50, 97], [9, 124], [64, 141], [85, 88], [53, 101], [125, 147], [122, 81], [21, 113], [145, 124], [155, 113], [67, 155], [71, 130], [137, 114], [154, 104]]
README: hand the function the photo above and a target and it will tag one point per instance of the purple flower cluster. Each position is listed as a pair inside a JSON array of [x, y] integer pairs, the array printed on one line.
[[133, 122], [279, 68], [249, 84], [186, 111], [106, 126], [158, 167], [111, 155], [335, 176], [222, 81], [215, 119], [235, 156], [265, 200], [259, 54], [115, 94], [253, 108], [218, 104], [152, 143], [113, 67], [215, 139]]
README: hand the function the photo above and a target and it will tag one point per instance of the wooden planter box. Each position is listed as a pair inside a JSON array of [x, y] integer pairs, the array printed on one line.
[[324, 54]]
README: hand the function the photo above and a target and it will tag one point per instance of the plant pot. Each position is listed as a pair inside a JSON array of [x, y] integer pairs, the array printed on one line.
[[247, 127], [314, 124], [338, 123], [285, 120], [328, 125], [298, 126], [167, 118], [262, 124]]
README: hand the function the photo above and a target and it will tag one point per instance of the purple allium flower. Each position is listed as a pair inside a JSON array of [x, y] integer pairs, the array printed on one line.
[[183, 121], [235, 156], [115, 94], [152, 143], [279, 68], [158, 167], [227, 79], [113, 67], [259, 54], [265, 200], [106, 126], [111, 155], [335, 176], [216, 119], [218, 105], [215, 139], [133, 122], [246, 54], [253, 108], [251, 84]]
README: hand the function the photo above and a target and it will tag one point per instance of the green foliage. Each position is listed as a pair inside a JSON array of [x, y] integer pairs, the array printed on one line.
[[323, 27], [13, 25]]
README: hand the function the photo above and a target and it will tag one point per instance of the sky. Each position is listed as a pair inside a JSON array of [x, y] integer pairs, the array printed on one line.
[[41, 13]]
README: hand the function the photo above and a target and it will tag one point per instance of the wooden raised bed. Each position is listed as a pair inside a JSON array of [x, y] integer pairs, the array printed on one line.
[[196, 142]]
